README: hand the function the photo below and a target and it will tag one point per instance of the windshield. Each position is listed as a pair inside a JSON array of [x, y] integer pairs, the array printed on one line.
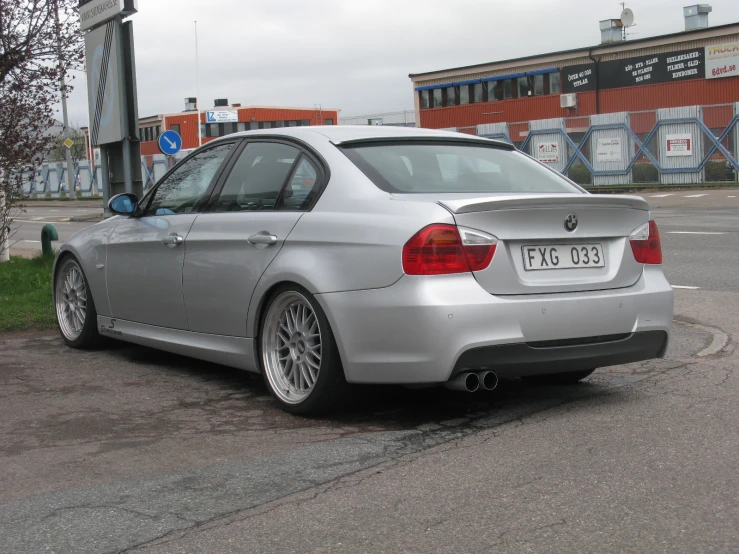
[[423, 167]]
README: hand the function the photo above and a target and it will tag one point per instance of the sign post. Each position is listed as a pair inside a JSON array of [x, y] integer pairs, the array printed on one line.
[[112, 102]]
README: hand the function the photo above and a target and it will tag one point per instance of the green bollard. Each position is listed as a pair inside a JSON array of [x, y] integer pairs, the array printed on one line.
[[48, 233]]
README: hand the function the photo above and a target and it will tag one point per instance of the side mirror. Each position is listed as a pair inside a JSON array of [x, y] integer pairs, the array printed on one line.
[[124, 204]]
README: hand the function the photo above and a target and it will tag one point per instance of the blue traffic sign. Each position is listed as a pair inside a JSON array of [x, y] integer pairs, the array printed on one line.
[[170, 142]]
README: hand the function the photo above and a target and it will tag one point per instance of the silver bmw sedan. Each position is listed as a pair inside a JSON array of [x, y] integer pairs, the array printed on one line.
[[326, 256]]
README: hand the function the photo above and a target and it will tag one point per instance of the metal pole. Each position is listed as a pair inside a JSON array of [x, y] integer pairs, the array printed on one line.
[[197, 86], [65, 120], [104, 179]]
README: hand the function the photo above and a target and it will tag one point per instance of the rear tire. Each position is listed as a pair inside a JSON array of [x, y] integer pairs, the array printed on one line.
[[74, 306], [568, 378], [298, 353]]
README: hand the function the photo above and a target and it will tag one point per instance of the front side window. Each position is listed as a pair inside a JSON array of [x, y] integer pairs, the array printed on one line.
[[257, 177], [437, 97], [555, 83], [184, 189], [427, 168]]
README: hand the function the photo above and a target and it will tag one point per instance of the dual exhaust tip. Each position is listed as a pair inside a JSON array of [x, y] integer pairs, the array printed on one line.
[[472, 381]]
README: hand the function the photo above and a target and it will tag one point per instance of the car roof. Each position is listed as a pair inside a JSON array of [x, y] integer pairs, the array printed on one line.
[[344, 134]]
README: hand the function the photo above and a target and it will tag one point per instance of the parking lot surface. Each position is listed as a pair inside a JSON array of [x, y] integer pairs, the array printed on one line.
[[126, 449]]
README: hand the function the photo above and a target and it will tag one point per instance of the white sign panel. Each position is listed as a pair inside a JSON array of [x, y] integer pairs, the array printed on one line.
[[547, 152], [678, 145], [722, 60], [221, 116], [103, 82], [608, 150], [95, 12]]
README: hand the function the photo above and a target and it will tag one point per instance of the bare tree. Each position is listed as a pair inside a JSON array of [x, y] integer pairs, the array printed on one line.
[[35, 50]]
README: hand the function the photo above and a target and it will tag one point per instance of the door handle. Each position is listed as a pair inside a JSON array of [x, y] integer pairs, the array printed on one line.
[[173, 240], [263, 238]]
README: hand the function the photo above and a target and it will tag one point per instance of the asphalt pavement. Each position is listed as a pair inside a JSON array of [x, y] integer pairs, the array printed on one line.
[[127, 449]]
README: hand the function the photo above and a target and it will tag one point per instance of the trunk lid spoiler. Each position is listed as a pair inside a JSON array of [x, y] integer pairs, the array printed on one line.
[[531, 201]]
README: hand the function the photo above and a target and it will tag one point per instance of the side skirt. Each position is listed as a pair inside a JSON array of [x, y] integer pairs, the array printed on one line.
[[235, 352]]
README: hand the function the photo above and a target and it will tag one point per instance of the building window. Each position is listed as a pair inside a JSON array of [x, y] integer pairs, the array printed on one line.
[[175, 127], [265, 125], [279, 124], [425, 94], [329, 121], [477, 92], [495, 90], [508, 88], [451, 96], [464, 94], [522, 86], [292, 123], [157, 131], [437, 98], [213, 130], [203, 130], [241, 127], [555, 84], [538, 84], [304, 122], [229, 128]]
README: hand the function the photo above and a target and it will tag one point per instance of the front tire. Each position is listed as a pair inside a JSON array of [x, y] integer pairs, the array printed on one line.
[[75, 309], [298, 353], [569, 378]]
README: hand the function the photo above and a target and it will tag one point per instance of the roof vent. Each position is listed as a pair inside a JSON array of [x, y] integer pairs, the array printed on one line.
[[611, 31], [221, 102], [696, 16], [191, 104]]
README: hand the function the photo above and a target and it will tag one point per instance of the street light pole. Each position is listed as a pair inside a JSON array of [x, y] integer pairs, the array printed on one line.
[[197, 86], [65, 119]]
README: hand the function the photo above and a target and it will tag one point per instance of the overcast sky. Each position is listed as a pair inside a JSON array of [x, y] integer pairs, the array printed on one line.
[[354, 55]]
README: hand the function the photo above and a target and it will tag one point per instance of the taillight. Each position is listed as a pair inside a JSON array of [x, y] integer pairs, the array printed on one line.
[[646, 245], [441, 249]]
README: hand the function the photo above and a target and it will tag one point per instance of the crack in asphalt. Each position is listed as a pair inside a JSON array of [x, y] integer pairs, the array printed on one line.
[[429, 443]]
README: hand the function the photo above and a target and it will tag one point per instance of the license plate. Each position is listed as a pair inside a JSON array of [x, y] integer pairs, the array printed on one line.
[[562, 256]]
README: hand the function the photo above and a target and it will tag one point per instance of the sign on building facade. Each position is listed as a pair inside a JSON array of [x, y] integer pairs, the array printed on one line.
[[722, 60]]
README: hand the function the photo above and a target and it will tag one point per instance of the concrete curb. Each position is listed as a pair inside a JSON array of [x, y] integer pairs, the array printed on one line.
[[91, 217]]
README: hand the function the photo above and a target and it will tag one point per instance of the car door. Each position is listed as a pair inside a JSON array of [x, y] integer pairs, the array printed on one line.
[[271, 185], [146, 252]]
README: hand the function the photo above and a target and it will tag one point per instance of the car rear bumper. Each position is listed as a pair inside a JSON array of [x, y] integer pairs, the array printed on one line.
[[425, 329]]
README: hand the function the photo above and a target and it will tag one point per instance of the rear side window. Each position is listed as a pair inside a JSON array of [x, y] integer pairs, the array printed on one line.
[[257, 178], [424, 167]]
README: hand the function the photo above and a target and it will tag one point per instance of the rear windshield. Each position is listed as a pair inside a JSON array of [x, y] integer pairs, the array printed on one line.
[[415, 167]]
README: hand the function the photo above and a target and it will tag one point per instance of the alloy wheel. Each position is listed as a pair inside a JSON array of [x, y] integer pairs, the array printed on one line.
[[291, 347], [71, 299]]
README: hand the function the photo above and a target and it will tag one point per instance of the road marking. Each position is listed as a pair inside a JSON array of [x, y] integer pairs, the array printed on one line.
[[28, 240], [695, 233], [53, 210], [731, 197], [662, 195], [694, 195], [684, 287]]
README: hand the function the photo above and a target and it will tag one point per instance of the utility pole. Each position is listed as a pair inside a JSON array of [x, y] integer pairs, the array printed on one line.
[[197, 86], [65, 119]]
